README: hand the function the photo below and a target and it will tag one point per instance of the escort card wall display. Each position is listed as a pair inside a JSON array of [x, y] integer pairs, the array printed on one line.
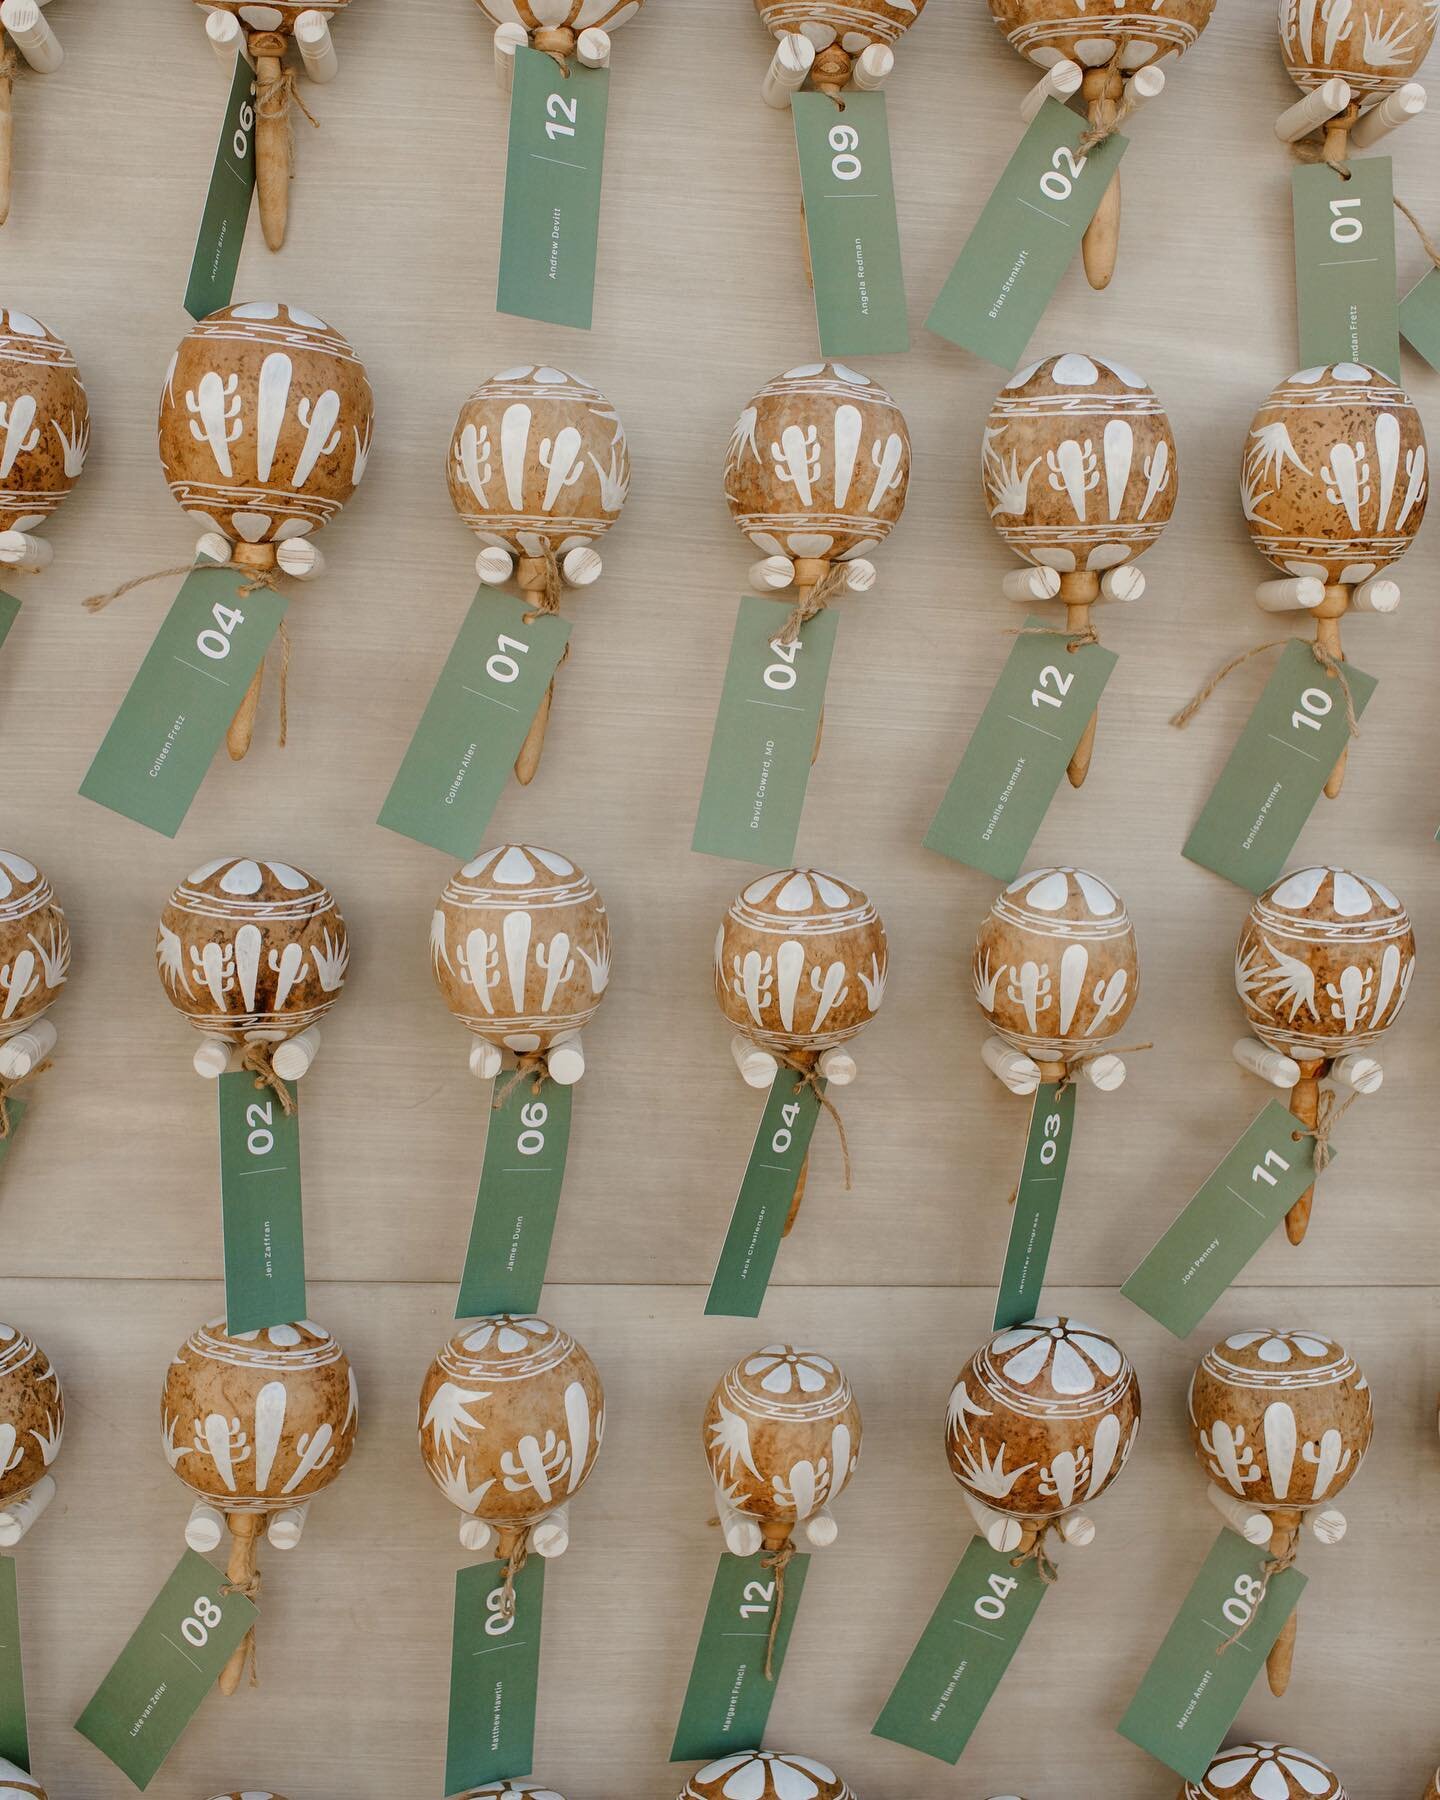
[[34, 965], [538, 468], [44, 425], [815, 476], [512, 1415], [782, 1435], [1265, 1771], [1080, 477], [1333, 485], [23, 25], [1040, 1422], [766, 1775], [265, 427], [520, 948], [801, 959], [32, 1423]]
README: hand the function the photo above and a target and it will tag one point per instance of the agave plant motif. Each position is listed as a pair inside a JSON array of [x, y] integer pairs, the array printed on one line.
[[446, 1418], [73, 444], [988, 1475], [1288, 981], [1271, 451], [959, 1411], [730, 1443], [451, 1477], [1386, 46], [1007, 485]]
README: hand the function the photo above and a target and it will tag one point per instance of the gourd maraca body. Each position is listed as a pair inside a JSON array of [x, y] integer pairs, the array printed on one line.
[[1324, 963], [252, 951], [32, 1414], [782, 1436], [1078, 464], [1264, 1771], [1042, 1418], [257, 1421], [271, 15], [34, 944], [15, 1784], [512, 1414], [249, 1794], [853, 24], [800, 961], [1375, 47], [265, 423], [1048, 31], [520, 946], [553, 15], [1334, 478], [521, 1790], [1056, 970], [44, 421], [766, 1775], [818, 464]]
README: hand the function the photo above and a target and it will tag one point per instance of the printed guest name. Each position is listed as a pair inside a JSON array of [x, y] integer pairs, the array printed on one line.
[[167, 747]]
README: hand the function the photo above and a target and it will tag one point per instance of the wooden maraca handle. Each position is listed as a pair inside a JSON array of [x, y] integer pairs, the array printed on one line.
[[1100, 245], [272, 137], [1281, 1659], [527, 763], [1305, 1105], [240, 1573], [797, 1196], [240, 733]]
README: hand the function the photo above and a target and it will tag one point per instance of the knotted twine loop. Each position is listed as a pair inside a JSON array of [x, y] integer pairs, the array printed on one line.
[[777, 1563], [1322, 656], [546, 600], [1307, 150], [1269, 1569], [9, 64], [831, 584], [8, 1083], [1074, 640], [1038, 1554], [532, 1063], [1072, 1063], [1332, 1109], [809, 1078], [1427, 242], [1126, 105], [514, 1563], [259, 1059], [249, 1647], [273, 100]]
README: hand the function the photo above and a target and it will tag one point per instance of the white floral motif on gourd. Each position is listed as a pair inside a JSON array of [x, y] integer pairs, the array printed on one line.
[[782, 1368], [1260, 1772], [15, 873], [752, 1774], [1281, 1346], [1069, 1350]]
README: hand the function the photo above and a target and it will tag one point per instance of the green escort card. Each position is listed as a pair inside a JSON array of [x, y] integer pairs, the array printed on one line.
[[963, 1653], [520, 1183], [189, 687], [844, 150], [9, 612], [762, 1206], [260, 1205], [1420, 318], [1276, 771], [227, 204], [1026, 237], [764, 737], [171, 1663], [1034, 719], [551, 228], [15, 1111], [1193, 1690], [494, 1676], [465, 746], [14, 1732], [1345, 265], [729, 1696], [1228, 1220], [1037, 1202]]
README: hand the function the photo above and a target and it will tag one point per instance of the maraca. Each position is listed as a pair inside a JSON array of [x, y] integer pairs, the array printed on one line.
[[832, 43], [1080, 477], [766, 1775], [559, 28], [32, 1423], [1345, 57], [1322, 967], [44, 414], [1280, 1421], [34, 37], [15, 1784], [255, 1423], [34, 963], [1264, 1771]]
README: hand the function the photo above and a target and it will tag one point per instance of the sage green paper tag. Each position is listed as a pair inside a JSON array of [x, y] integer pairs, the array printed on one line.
[[963, 1653], [9, 612], [1228, 1220], [170, 1664], [227, 204], [188, 689], [757, 1224], [260, 1205], [16, 1111], [1036, 1205], [520, 1181], [764, 735], [1345, 265], [1029, 730], [728, 1700], [474, 723], [494, 1676], [1420, 318], [849, 190], [14, 1731], [1192, 1691], [1282, 760], [1026, 237], [551, 227]]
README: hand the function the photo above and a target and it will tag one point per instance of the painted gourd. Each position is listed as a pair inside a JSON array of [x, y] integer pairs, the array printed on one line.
[[521, 1790], [44, 421], [257, 1421], [32, 1413], [818, 464], [766, 1775], [551, 15], [265, 422], [1048, 31], [1323, 963], [538, 461], [1078, 464], [15, 1784], [520, 946], [1280, 1418], [1056, 969], [1375, 45], [800, 961], [782, 1433], [262, 15], [245, 1793], [34, 944], [1334, 480], [853, 24], [1265, 1771], [512, 1413], [251, 951], [1042, 1418]]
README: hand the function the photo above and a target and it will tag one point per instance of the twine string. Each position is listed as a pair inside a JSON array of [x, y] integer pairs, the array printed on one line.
[[1427, 242], [8, 1084], [1074, 640], [1273, 1565], [1322, 656], [9, 63], [814, 600], [1306, 150], [273, 100], [514, 1563], [249, 1648], [1072, 1063], [1332, 1110], [259, 1059], [531, 1063], [777, 1563], [1097, 134], [809, 1078], [1038, 1554], [98, 602]]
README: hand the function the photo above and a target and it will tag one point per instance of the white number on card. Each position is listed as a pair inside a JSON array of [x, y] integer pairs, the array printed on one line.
[[844, 140], [784, 1137], [1343, 228], [1314, 705], [1058, 181], [259, 1140], [1050, 676], [758, 1595], [992, 1605], [1261, 1171], [781, 675], [200, 1621], [216, 644], [504, 668], [558, 110], [531, 1140]]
